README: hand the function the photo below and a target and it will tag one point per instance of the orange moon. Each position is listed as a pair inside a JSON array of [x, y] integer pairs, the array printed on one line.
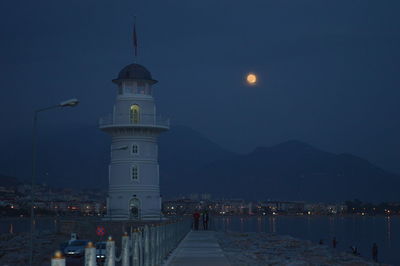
[[251, 79]]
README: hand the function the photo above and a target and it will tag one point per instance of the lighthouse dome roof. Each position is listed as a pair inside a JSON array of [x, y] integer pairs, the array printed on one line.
[[134, 71]]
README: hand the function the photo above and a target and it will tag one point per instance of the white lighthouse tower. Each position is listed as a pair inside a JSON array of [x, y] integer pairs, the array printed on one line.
[[134, 190]]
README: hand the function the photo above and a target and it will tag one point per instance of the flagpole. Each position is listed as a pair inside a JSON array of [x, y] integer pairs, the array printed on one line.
[[135, 46]]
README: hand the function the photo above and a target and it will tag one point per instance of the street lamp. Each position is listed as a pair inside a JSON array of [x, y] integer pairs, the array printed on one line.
[[68, 103]]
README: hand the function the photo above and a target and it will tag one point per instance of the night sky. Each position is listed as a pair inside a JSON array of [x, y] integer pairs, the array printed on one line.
[[328, 70]]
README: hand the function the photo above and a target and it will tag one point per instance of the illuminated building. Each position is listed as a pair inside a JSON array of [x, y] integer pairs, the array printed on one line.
[[134, 191]]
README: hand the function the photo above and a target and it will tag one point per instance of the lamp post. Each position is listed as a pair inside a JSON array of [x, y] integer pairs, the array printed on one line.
[[67, 103]]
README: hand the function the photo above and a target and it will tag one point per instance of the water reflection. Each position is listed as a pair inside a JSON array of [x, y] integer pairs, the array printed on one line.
[[332, 231], [19, 225], [272, 224], [308, 226], [260, 224], [389, 223], [359, 231]]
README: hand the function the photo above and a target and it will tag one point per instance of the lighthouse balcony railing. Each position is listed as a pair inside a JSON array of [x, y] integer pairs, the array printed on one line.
[[142, 120]]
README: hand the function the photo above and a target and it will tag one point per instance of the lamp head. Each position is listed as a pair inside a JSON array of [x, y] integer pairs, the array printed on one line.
[[71, 103]]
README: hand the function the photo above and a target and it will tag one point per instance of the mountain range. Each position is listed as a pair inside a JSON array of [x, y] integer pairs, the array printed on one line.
[[191, 163]]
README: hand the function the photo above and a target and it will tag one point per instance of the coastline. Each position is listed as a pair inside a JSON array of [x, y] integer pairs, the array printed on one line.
[[271, 249], [240, 249]]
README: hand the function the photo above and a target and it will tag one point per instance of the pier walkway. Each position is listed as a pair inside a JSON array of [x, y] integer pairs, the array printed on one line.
[[198, 248]]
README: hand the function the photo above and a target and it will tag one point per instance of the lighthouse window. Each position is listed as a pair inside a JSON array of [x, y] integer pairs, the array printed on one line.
[[128, 89], [135, 149], [135, 113], [135, 172], [140, 90]]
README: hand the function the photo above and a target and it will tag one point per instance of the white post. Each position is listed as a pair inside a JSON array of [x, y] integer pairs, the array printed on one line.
[[135, 247], [158, 247], [58, 259], [90, 255], [146, 246], [162, 255], [169, 240], [110, 252], [165, 249], [140, 241], [125, 250], [152, 245]]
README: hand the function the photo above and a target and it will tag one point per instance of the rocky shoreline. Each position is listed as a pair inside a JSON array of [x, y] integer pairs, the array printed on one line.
[[240, 248], [14, 248], [271, 249]]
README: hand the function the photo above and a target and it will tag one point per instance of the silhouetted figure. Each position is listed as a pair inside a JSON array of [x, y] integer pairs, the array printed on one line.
[[334, 242], [321, 241], [196, 218], [354, 250], [205, 220], [375, 252]]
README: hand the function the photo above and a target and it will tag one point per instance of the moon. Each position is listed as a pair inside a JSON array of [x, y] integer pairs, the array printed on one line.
[[251, 79]]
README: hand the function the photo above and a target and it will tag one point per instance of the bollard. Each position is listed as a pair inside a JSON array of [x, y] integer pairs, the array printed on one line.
[[90, 255], [125, 249], [110, 252], [58, 259]]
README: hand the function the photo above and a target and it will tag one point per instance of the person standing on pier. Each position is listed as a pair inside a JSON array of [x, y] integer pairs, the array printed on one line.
[[196, 218], [205, 220], [354, 250], [334, 242], [375, 252]]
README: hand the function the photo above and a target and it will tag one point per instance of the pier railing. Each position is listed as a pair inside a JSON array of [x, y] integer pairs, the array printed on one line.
[[148, 245]]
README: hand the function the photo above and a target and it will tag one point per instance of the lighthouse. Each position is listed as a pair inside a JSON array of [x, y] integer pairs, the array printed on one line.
[[134, 126]]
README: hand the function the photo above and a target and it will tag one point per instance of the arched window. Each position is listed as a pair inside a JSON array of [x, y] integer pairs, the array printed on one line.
[[135, 113], [141, 89], [135, 172], [134, 209], [135, 149]]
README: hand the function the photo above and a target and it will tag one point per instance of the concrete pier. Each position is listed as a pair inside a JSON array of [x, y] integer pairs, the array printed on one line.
[[198, 248]]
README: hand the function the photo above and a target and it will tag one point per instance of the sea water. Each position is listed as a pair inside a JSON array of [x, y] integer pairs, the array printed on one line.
[[358, 231]]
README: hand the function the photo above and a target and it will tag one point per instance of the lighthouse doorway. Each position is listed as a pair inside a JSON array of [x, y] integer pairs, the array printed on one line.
[[134, 209]]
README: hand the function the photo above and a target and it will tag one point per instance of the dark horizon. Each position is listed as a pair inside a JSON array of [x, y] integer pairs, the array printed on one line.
[[191, 163]]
